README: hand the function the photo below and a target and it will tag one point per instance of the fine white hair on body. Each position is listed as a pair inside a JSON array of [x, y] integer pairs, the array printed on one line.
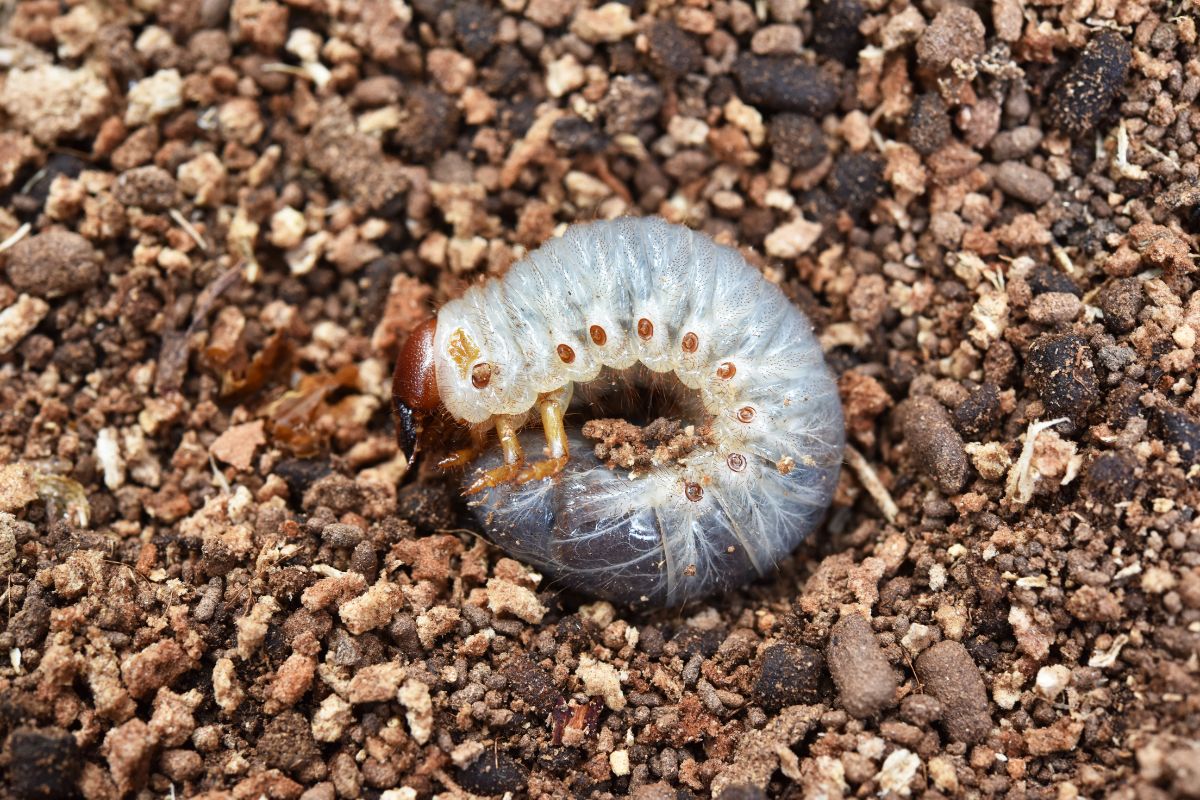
[[725, 333]]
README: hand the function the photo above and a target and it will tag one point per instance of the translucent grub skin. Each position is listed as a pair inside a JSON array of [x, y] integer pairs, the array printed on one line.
[[618, 312]]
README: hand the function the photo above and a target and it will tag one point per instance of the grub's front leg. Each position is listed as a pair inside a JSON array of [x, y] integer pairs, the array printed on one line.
[[510, 446], [552, 406], [460, 458]]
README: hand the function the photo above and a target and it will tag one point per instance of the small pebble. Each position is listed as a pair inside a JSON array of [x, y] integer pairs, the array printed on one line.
[[43, 763], [920, 709], [1181, 431], [777, 40], [936, 445], [53, 264], [672, 50], [1054, 308], [1044, 278], [1089, 87], [777, 83], [797, 141], [835, 29], [1015, 144], [928, 123], [789, 675], [19, 320], [956, 32], [1121, 300], [1110, 478], [1061, 371], [1024, 183], [492, 774], [949, 674], [980, 412], [865, 680], [151, 188], [855, 181], [631, 100]]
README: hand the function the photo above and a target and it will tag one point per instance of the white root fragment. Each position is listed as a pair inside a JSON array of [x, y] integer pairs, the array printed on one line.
[[870, 481], [1021, 480]]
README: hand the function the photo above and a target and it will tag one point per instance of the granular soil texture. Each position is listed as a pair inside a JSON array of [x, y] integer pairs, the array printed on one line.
[[218, 219]]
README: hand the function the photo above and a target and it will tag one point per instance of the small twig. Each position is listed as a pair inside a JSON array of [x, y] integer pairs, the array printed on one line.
[[188, 228], [870, 481]]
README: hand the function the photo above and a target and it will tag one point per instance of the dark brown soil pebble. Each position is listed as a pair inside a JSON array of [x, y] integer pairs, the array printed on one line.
[[52, 264], [864, 678], [631, 100], [1088, 89], [673, 51], [980, 413], [835, 29], [949, 674], [151, 188], [789, 675], [1045, 278], [429, 124], [576, 135], [43, 763], [1110, 478], [928, 123], [1181, 431], [475, 27], [1060, 369], [936, 445], [779, 83], [1121, 300], [797, 141], [856, 181], [492, 774]]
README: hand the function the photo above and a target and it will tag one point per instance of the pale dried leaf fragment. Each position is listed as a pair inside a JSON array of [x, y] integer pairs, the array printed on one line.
[[236, 445]]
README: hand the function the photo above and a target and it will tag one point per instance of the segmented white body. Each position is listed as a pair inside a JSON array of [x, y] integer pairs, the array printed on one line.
[[725, 332]]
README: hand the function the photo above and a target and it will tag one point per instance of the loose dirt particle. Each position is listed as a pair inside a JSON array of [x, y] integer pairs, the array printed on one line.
[[785, 84], [865, 681], [949, 674], [45, 763], [506, 597], [53, 264], [956, 33], [1024, 183], [936, 445], [788, 675], [797, 141], [52, 102], [835, 29], [1086, 91], [1060, 369]]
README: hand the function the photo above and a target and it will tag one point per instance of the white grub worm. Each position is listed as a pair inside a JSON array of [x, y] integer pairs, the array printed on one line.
[[625, 309]]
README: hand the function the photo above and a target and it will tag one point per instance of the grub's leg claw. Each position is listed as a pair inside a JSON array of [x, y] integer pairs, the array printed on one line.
[[539, 470]]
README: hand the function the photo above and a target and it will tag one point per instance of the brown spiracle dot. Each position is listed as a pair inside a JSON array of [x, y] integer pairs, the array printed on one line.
[[745, 414], [693, 492], [565, 353], [690, 342], [598, 335], [736, 462], [645, 328], [481, 375], [726, 371]]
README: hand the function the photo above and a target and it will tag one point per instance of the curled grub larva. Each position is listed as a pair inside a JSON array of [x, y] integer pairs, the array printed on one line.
[[619, 310]]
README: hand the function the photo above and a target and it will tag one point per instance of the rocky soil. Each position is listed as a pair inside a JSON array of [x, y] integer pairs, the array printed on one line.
[[218, 219]]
